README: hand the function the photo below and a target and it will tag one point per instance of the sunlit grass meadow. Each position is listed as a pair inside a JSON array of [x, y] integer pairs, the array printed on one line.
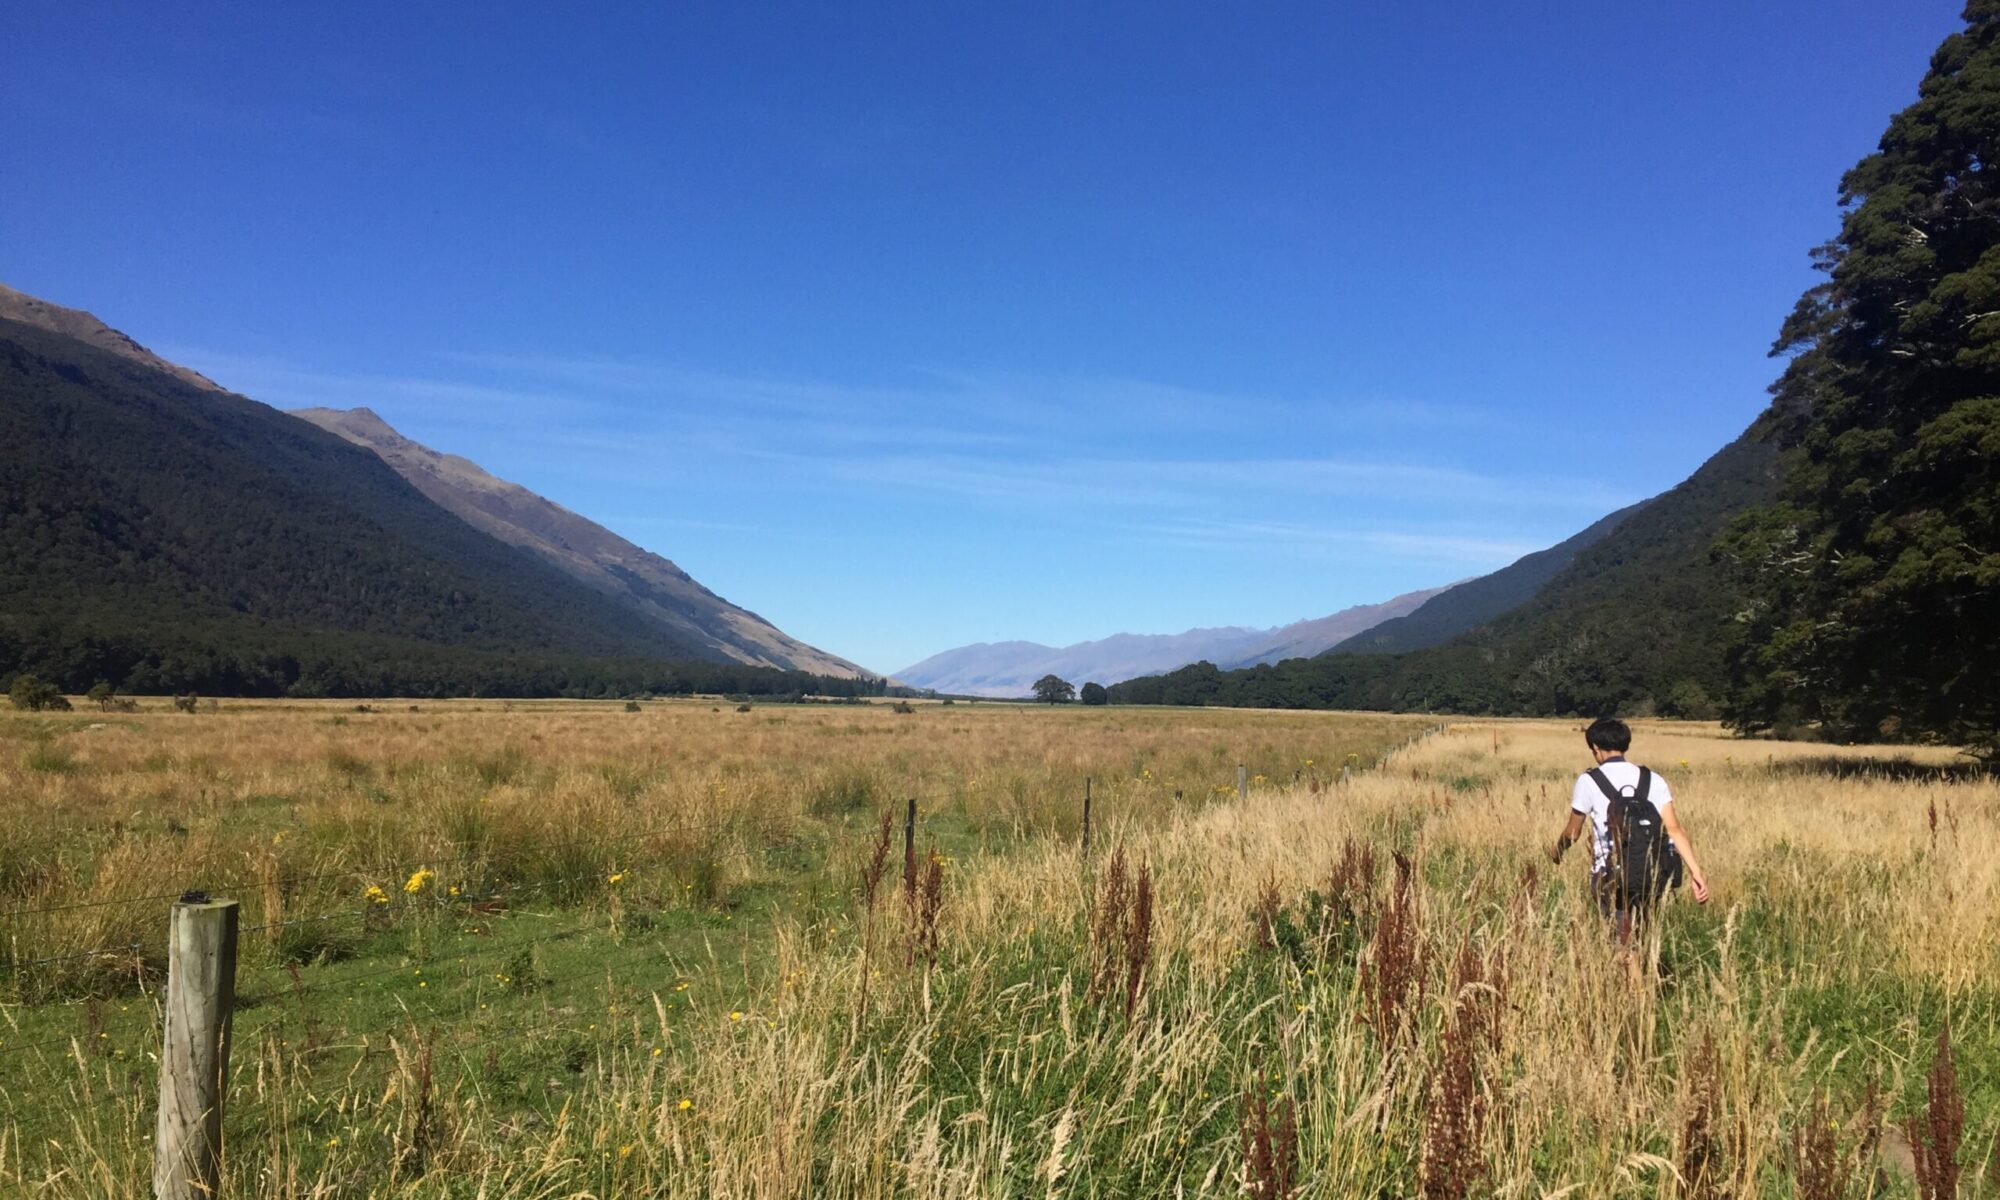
[[662, 972]]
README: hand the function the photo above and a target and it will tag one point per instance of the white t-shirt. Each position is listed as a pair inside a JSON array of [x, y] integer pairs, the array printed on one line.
[[1590, 800]]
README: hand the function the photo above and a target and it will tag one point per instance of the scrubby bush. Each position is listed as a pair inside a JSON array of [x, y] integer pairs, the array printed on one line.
[[34, 695]]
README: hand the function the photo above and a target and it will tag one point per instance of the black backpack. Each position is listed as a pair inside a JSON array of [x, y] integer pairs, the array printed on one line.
[[1643, 863]]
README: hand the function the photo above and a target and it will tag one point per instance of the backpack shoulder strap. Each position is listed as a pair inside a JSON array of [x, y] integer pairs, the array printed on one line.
[[1603, 782], [1645, 791]]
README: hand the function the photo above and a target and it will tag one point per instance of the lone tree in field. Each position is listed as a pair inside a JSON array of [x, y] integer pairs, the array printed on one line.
[[1051, 690], [1094, 693], [1872, 578]]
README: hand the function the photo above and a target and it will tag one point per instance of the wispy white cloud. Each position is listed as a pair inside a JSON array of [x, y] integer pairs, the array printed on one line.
[[1009, 443], [1431, 546]]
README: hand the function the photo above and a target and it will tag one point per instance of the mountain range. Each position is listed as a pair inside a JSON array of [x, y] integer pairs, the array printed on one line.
[[163, 533], [1010, 669], [1412, 621]]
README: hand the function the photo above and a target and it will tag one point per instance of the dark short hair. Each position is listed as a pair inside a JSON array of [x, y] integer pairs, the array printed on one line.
[[1609, 733]]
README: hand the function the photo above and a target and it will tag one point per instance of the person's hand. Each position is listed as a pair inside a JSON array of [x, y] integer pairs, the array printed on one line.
[[1556, 854], [1699, 886]]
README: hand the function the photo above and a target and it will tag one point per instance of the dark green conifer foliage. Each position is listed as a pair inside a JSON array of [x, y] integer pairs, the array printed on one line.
[[1874, 580]]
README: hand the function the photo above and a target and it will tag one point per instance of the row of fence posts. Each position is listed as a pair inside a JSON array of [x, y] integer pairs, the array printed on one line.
[[201, 999]]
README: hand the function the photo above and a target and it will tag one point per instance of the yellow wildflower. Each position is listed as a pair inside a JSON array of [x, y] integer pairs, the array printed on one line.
[[686, 1104], [419, 880], [375, 895], [735, 1016], [618, 877], [625, 1151]]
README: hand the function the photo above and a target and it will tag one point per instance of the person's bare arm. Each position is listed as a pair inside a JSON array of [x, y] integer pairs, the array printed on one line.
[[1697, 882], [1570, 833]]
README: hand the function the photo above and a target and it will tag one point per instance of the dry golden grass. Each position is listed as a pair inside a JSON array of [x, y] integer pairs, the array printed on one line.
[[297, 808], [1845, 928]]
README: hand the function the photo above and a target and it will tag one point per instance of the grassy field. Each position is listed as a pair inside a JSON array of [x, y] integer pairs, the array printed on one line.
[[635, 954]]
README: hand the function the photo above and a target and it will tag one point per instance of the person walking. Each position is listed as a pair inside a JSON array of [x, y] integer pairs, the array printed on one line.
[[1639, 849]]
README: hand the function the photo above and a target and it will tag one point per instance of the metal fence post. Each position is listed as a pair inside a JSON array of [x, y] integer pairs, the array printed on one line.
[[194, 1052]]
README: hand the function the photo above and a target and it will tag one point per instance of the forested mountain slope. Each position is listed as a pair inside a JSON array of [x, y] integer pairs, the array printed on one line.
[[638, 579], [1642, 619], [159, 533]]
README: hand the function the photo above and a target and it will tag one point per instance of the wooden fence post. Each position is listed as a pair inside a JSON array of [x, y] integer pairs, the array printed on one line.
[[1242, 782], [910, 852], [194, 1055], [1086, 816]]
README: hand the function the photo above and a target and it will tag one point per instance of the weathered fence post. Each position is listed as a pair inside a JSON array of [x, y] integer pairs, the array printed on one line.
[[1242, 782], [194, 1055], [1086, 816]]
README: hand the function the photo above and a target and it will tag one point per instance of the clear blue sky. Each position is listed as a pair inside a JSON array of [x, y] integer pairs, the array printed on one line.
[[915, 325]]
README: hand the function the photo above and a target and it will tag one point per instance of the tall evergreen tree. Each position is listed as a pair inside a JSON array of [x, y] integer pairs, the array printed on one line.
[[1874, 581]]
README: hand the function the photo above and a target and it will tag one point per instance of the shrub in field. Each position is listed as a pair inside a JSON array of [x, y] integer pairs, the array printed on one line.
[[186, 703], [34, 695]]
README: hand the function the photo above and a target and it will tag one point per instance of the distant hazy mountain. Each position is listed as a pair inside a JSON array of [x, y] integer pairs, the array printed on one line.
[[1303, 639], [1008, 669], [638, 579], [1477, 601]]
